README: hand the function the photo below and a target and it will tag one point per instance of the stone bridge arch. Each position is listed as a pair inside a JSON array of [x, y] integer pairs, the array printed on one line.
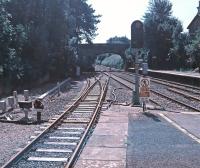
[[90, 52]]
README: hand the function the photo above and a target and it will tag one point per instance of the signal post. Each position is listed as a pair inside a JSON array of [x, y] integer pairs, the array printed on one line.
[[137, 43]]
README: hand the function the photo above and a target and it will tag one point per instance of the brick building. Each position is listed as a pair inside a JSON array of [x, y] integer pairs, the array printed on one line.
[[195, 24]]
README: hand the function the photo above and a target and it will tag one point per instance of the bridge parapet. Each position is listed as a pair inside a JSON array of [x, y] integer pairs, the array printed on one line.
[[101, 48]]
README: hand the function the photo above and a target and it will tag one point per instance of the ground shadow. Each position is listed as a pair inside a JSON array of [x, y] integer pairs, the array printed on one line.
[[152, 116]]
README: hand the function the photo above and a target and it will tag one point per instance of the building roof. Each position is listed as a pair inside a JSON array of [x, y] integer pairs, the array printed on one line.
[[195, 18]]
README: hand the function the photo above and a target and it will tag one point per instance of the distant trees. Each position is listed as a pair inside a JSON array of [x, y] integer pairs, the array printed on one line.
[[39, 37], [119, 40], [163, 35]]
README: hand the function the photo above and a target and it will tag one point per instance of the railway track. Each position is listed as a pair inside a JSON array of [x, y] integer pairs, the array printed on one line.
[[60, 141], [193, 91], [187, 92], [9, 115], [129, 83]]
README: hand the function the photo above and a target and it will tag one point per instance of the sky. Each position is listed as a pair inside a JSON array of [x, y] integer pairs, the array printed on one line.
[[117, 15]]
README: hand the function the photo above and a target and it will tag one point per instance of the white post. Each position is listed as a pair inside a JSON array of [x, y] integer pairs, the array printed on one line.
[[26, 95], [15, 97], [3, 105], [11, 101]]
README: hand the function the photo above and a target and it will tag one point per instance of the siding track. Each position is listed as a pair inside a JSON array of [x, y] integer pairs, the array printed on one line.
[[59, 143]]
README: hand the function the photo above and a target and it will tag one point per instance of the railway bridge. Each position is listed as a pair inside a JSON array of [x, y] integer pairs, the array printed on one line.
[[89, 52]]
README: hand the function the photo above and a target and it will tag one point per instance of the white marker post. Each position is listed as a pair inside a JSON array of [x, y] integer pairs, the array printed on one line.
[[26, 95], [15, 98], [11, 102], [3, 106]]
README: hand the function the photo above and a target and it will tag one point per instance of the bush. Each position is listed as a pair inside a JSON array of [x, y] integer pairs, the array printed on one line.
[[114, 61]]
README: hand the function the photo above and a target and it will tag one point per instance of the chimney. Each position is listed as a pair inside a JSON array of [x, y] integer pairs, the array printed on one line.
[[198, 9]]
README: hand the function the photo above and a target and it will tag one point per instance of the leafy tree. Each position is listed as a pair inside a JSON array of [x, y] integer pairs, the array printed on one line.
[[85, 20], [36, 38], [159, 30], [193, 50], [178, 56], [120, 40], [11, 43]]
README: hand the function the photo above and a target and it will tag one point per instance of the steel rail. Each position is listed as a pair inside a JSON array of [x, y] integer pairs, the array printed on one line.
[[81, 143], [17, 156], [129, 87], [175, 91], [172, 84], [177, 101], [160, 94], [184, 94]]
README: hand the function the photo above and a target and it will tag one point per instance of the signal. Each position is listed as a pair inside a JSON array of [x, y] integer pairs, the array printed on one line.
[[137, 34]]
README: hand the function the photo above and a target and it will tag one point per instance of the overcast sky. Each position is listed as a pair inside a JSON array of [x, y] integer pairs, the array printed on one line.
[[117, 15]]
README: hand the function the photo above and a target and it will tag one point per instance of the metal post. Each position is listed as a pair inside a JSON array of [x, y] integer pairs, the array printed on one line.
[[136, 99]]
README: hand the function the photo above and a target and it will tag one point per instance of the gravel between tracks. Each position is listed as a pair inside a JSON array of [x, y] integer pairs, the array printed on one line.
[[14, 136]]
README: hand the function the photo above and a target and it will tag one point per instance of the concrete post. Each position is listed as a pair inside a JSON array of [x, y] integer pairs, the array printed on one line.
[[26, 114], [3, 105], [26, 95], [11, 102], [15, 98]]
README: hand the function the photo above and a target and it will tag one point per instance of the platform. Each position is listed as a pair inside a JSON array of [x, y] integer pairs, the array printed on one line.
[[190, 78], [108, 143], [126, 137]]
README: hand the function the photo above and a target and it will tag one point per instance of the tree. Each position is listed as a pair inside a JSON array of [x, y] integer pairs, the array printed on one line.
[[159, 29], [11, 43], [178, 55], [36, 37], [85, 20], [119, 40], [193, 50]]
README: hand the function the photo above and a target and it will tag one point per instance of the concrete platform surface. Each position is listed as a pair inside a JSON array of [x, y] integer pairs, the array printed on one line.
[[107, 146], [155, 143], [190, 122], [127, 138]]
